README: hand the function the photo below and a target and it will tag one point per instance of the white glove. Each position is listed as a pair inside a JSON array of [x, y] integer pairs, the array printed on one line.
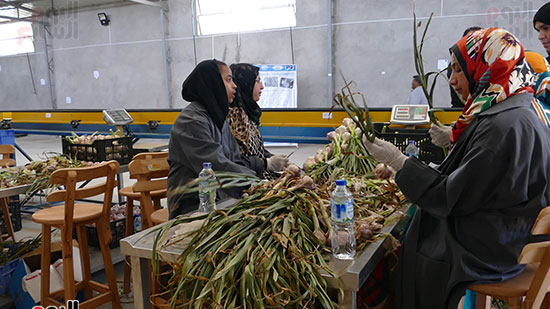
[[385, 152], [277, 163], [441, 135]]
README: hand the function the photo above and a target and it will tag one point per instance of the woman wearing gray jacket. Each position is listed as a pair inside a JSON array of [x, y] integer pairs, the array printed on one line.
[[201, 134]]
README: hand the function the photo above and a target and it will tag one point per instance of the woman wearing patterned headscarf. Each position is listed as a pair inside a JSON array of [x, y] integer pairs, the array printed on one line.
[[475, 211], [541, 68], [201, 134], [244, 117]]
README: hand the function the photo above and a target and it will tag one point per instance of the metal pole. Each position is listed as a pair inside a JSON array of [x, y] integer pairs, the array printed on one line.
[[165, 61], [329, 54], [291, 45], [47, 57], [23, 152], [193, 24]]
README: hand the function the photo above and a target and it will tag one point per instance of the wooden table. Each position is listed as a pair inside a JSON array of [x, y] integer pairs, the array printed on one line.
[[353, 273], [150, 147], [5, 195]]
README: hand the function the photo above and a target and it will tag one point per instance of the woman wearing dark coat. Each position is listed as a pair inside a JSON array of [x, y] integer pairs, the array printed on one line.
[[202, 134], [476, 210]]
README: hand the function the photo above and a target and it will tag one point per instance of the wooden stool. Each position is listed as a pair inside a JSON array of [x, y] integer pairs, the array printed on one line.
[[146, 211], [6, 151], [151, 175], [132, 196], [159, 216], [78, 215], [530, 288]]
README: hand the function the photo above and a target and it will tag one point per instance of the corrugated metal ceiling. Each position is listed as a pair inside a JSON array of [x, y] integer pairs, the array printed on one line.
[[23, 10]]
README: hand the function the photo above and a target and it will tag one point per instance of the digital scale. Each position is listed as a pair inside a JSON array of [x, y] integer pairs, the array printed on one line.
[[118, 118], [410, 115]]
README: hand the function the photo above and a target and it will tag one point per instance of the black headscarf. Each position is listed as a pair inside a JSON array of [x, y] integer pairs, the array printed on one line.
[[205, 86], [244, 75], [543, 15]]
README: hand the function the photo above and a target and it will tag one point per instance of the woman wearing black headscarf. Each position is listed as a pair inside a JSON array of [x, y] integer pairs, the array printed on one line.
[[201, 134], [244, 117]]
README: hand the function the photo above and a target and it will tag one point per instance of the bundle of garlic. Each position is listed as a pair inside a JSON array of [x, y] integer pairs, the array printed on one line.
[[345, 153]]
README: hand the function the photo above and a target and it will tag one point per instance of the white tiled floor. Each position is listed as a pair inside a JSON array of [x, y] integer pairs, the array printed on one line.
[[36, 146]]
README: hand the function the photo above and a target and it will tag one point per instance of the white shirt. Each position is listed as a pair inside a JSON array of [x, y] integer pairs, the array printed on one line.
[[417, 97]]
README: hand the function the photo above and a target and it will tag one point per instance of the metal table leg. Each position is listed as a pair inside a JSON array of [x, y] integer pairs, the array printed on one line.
[[4, 201], [120, 185], [142, 282], [23, 152], [349, 301]]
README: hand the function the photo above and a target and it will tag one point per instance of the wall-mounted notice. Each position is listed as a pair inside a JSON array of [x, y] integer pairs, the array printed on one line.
[[280, 86]]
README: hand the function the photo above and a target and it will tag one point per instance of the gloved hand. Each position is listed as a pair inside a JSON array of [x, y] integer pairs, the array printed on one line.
[[385, 152], [441, 135], [277, 163]]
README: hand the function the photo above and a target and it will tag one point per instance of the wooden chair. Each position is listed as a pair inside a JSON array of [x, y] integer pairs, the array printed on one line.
[[151, 174], [6, 152], [146, 208], [159, 216], [528, 289], [78, 215], [132, 196]]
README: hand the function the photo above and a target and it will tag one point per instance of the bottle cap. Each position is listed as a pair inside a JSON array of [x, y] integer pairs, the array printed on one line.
[[411, 141], [207, 165], [341, 182]]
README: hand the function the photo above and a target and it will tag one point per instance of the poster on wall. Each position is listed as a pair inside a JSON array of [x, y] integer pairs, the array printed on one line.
[[280, 86]]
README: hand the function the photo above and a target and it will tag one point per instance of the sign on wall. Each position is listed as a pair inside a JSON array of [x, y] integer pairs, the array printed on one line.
[[280, 86]]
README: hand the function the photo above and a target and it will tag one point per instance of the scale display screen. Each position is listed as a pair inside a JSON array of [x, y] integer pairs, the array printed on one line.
[[410, 114], [117, 117]]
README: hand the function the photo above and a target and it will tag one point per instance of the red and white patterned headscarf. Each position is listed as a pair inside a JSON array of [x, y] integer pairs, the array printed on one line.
[[493, 60]]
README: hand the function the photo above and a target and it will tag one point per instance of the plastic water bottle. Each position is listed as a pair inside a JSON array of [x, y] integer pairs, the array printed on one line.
[[137, 223], [207, 196], [343, 237], [411, 150]]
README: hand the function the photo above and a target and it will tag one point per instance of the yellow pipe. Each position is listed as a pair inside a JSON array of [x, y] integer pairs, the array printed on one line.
[[269, 118]]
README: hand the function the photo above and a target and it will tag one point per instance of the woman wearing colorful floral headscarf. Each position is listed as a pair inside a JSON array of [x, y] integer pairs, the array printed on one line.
[[541, 68], [475, 211]]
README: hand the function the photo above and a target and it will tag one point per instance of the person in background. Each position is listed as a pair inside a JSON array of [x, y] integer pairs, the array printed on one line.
[[476, 210], [417, 95], [455, 100], [541, 104], [541, 22], [202, 134], [538, 63], [244, 117]]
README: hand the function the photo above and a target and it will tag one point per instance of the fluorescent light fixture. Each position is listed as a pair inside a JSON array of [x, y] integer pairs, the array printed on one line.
[[103, 19]]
